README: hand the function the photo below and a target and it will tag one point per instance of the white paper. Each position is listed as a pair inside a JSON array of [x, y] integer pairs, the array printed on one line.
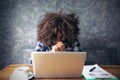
[[98, 72]]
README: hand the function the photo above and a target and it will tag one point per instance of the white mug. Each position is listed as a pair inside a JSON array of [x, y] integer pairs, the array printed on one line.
[[20, 73]]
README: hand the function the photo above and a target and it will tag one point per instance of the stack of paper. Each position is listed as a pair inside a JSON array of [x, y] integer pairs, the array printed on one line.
[[95, 72]]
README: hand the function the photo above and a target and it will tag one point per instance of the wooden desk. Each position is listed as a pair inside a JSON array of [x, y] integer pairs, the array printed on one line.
[[7, 71]]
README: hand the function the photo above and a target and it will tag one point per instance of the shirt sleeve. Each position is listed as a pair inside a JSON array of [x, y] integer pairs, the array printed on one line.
[[77, 46], [41, 47]]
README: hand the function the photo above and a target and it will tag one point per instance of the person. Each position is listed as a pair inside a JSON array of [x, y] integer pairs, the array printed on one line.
[[58, 32]]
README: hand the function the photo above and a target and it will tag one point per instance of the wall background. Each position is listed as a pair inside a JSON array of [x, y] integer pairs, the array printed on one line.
[[99, 25]]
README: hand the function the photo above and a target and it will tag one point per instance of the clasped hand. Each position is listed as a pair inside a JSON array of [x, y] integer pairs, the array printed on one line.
[[59, 46]]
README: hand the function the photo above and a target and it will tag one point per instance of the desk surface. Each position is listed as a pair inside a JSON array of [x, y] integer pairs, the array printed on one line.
[[7, 71]]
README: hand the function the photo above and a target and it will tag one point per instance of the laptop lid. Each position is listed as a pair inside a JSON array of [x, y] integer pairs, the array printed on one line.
[[58, 64]]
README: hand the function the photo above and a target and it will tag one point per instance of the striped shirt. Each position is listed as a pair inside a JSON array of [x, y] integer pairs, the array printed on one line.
[[68, 46]]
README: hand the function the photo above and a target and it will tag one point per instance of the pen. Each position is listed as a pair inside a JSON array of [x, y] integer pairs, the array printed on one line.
[[92, 69]]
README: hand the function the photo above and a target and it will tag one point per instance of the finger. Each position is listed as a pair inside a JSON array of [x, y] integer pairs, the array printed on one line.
[[61, 48], [55, 48], [60, 43]]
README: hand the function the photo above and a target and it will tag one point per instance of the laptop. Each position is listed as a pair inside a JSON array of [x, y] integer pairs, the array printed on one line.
[[58, 64]]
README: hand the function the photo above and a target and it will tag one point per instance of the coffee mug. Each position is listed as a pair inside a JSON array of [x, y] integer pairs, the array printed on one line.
[[20, 73]]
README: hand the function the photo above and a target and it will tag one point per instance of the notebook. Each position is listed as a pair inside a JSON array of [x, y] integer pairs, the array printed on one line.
[[58, 64]]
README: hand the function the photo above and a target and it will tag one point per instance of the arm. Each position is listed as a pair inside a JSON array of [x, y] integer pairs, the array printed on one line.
[[39, 46], [77, 46]]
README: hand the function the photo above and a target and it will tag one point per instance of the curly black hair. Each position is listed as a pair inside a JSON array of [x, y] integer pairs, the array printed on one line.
[[48, 27]]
